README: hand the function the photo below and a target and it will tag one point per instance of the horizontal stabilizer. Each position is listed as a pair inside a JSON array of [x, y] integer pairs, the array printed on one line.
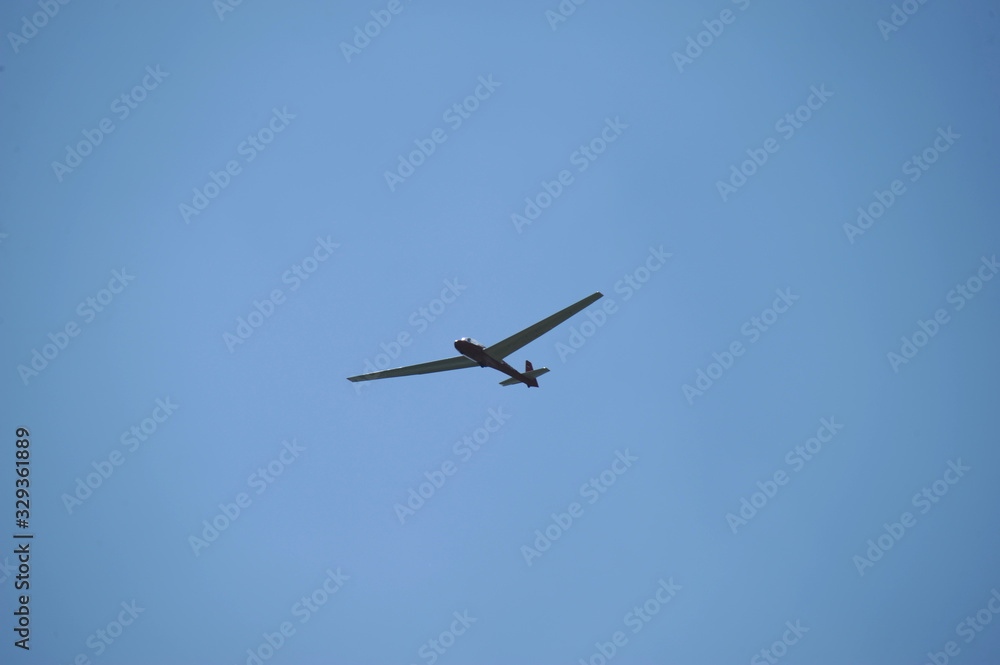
[[532, 374]]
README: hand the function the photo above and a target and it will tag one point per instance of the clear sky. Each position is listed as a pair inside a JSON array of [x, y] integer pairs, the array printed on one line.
[[773, 440]]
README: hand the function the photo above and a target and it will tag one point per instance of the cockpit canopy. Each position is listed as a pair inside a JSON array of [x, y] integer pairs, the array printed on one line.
[[470, 341]]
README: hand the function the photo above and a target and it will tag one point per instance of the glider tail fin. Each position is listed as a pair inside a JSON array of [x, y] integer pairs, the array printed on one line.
[[530, 373]]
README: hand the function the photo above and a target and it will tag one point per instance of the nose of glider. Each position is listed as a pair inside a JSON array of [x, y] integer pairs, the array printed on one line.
[[465, 344]]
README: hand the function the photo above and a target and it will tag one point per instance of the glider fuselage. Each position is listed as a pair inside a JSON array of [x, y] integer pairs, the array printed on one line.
[[476, 352]]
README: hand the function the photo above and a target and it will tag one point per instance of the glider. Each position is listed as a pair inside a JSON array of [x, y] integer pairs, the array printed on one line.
[[474, 353]]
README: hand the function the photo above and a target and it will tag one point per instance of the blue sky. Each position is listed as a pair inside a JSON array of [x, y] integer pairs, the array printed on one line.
[[771, 441]]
